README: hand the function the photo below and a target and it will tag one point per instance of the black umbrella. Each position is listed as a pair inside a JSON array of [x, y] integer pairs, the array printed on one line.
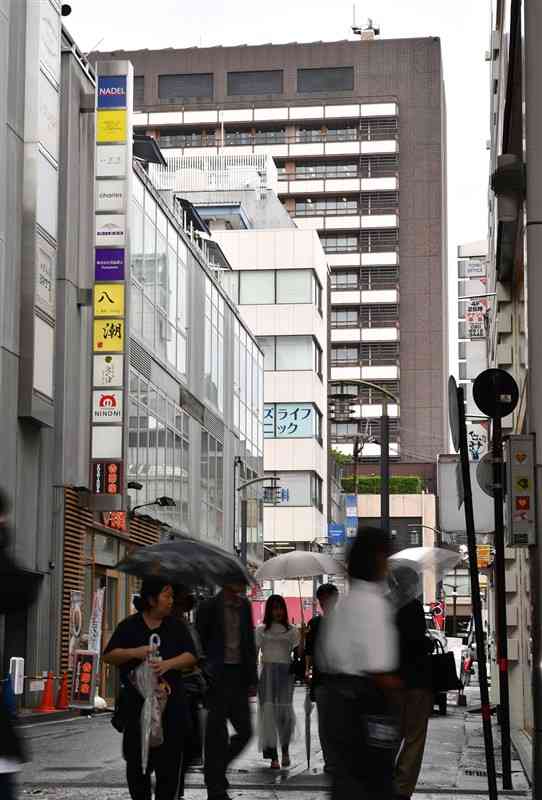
[[186, 561]]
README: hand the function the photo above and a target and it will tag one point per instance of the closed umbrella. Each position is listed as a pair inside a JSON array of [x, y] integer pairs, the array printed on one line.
[[308, 711], [186, 560], [296, 565]]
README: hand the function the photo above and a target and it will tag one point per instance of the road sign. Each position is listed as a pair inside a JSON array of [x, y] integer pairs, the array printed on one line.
[[495, 393]]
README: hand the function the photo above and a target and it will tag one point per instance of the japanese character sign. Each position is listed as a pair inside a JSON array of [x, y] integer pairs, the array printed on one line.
[[108, 335], [289, 420]]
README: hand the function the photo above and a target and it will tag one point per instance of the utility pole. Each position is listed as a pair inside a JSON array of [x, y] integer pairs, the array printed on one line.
[[532, 32], [385, 466]]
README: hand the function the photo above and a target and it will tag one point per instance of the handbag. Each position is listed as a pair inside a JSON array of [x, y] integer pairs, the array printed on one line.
[[443, 672], [125, 708]]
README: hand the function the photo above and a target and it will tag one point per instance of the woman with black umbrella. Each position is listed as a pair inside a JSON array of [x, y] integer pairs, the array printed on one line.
[[128, 648]]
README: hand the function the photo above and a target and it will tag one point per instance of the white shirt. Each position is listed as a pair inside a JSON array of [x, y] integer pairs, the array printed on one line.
[[359, 636], [276, 643]]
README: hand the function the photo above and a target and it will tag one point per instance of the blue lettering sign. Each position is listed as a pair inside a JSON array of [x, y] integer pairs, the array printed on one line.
[[112, 91]]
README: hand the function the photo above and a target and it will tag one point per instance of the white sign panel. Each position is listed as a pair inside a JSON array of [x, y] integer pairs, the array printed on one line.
[[107, 405], [108, 370], [45, 280], [110, 195], [520, 474], [110, 229], [50, 38], [475, 315], [49, 103], [110, 160], [474, 269], [106, 442]]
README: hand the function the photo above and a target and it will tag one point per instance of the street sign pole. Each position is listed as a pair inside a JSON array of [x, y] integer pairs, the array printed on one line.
[[500, 591], [459, 430], [496, 394]]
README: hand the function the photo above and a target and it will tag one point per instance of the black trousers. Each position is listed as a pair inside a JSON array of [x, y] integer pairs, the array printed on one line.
[[165, 761], [227, 701], [193, 746], [362, 737], [7, 786]]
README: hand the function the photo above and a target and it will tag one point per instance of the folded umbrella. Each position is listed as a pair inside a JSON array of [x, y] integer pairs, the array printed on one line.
[[308, 711], [188, 561]]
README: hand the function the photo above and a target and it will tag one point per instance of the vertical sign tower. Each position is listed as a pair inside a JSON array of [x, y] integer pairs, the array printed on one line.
[[110, 360]]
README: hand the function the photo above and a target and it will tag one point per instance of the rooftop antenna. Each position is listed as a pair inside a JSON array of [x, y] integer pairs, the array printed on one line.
[[365, 32]]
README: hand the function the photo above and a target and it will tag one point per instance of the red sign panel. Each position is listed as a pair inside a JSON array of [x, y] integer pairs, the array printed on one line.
[[106, 477], [85, 670]]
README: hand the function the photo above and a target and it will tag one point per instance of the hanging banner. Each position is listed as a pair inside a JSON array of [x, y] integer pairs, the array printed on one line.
[[475, 316], [95, 625], [76, 624]]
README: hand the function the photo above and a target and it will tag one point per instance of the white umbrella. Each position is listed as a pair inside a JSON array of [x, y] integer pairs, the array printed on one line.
[[405, 583], [427, 558], [296, 565]]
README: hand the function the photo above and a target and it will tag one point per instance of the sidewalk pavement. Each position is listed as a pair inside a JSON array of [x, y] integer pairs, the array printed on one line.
[[80, 760]]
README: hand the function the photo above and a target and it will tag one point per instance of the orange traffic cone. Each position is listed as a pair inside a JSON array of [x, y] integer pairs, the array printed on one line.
[[47, 704], [63, 700]]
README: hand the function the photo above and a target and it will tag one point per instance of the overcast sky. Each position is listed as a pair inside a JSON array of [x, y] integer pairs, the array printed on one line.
[[463, 26]]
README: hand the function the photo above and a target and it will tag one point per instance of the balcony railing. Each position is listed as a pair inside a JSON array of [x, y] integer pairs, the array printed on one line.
[[315, 211]]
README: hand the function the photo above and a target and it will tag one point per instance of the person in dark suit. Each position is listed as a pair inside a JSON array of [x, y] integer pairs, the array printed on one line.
[[226, 632]]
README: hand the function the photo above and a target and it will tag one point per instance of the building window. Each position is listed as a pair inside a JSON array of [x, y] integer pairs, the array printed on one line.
[[302, 489], [379, 166], [345, 318], [270, 136], [292, 421], [255, 82], [344, 428], [379, 278], [267, 287], [139, 91], [379, 128], [248, 364], [211, 522], [325, 79], [294, 286], [257, 287], [380, 241], [175, 88], [384, 315], [158, 449], [340, 244], [345, 354], [379, 353], [345, 280], [291, 353], [329, 206], [188, 137], [159, 260], [214, 346], [321, 169], [380, 203]]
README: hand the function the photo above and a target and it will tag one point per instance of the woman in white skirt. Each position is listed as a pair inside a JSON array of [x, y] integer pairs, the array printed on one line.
[[276, 639]]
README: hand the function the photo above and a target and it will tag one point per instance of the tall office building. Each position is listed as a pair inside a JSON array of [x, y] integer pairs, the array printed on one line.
[[357, 131]]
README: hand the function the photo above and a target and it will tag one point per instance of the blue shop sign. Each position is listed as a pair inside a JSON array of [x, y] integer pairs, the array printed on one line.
[[112, 91], [336, 533]]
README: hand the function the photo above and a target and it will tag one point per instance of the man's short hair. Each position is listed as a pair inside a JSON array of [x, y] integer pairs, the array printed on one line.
[[326, 590], [363, 556]]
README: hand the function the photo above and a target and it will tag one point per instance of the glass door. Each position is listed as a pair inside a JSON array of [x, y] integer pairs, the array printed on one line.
[[115, 610]]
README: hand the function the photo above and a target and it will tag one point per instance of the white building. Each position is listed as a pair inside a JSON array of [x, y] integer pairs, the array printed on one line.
[[280, 287]]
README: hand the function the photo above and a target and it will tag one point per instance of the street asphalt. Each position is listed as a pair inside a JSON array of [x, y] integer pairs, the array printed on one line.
[[79, 759]]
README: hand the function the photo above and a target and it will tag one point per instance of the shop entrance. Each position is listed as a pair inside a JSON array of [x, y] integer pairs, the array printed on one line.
[[103, 552]]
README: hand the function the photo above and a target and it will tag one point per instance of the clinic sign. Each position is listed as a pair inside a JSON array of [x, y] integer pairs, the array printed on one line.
[[109, 338], [290, 421]]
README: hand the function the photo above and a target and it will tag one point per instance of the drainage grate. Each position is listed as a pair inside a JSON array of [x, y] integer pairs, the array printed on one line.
[[476, 773]]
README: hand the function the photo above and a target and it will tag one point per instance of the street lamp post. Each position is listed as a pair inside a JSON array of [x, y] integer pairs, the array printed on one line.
[[244, 510], [384, 444]]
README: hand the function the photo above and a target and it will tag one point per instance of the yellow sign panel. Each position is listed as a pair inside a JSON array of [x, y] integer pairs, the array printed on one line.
[[111, 126], [108, 335], [483, 553], [109, 300]]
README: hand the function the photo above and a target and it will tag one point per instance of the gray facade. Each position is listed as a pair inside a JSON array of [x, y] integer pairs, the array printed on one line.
[[295, 100], [47, 142]]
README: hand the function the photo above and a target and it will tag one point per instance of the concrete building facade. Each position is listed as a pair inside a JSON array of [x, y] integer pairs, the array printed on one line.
[[357, 130]]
